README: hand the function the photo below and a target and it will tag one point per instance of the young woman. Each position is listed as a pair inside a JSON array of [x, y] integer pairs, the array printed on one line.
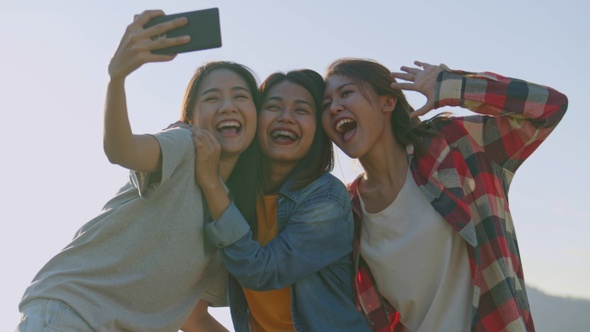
[[290, 268], [435, 246], [143, 264]]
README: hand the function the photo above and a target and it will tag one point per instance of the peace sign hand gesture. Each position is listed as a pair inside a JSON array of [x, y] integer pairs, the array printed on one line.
[[422, 80]]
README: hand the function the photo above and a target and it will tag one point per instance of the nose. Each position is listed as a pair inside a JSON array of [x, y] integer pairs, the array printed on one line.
[[335, 107], [286, 115], [228, 106]]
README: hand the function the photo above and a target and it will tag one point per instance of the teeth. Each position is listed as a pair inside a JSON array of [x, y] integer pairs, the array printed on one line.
[[340, 123], [226, 124], [285, 133]]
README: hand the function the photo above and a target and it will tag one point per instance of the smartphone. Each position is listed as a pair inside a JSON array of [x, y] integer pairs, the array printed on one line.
[[202, 27]]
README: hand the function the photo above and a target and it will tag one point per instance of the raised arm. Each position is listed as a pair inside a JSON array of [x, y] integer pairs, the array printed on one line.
[[136, 152], [513, 116], [485, 93]]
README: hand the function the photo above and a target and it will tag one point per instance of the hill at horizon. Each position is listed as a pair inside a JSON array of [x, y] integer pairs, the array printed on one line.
[[554, 313]]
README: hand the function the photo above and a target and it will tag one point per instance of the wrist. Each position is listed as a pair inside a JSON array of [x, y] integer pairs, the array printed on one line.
[[212, 186]]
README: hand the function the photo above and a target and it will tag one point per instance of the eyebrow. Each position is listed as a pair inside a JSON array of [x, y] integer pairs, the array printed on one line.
[[236, 88], [338, 89], [277, 98]]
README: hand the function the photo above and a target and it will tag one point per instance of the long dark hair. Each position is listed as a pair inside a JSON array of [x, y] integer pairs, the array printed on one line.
[[373, 75], [320, 158], [244, 181]]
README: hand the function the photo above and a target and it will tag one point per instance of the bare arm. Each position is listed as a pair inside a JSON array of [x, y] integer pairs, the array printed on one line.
[[137, 152], [200, 320]]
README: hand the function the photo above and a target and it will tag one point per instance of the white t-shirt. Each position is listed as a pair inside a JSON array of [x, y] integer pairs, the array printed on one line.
[[419, 262], [143, 263]]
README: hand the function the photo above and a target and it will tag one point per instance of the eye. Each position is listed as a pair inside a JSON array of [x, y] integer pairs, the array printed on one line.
[[345, 93], [326, 104], [210, 97], [271, 107], [242, 96], [302, 111]]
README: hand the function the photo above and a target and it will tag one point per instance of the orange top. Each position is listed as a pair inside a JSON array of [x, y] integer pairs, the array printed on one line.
[[269, 310]]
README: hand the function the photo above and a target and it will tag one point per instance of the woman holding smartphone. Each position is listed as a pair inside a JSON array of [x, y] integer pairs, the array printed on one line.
[[143, 264]]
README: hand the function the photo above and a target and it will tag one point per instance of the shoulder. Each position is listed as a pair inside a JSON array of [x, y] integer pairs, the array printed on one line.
[[179, 134], [326, 181], [327, 186], [175, 139]]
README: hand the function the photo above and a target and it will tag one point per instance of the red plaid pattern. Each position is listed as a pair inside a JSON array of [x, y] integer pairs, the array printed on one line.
[[465, 175]]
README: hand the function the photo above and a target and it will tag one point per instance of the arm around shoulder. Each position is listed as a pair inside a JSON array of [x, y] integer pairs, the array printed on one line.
[[318, 233]]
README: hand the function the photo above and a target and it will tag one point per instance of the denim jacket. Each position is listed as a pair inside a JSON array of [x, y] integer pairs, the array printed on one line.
[[311, 254]]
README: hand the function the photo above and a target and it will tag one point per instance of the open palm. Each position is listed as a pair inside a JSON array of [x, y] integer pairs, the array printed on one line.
[[422, 80]]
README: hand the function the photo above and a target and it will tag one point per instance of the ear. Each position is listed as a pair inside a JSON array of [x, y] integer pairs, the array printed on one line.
[[388, 103]]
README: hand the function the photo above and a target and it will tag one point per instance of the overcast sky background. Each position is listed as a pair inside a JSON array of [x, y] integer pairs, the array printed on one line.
[[53, 75]]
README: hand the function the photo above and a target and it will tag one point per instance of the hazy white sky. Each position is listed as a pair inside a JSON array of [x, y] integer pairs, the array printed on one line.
[[53, 74]]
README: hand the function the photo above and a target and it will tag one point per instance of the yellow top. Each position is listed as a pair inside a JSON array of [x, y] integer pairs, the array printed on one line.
[[269, 310]]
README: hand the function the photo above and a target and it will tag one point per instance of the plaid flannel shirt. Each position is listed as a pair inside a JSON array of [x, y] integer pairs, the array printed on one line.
[[465, 174]]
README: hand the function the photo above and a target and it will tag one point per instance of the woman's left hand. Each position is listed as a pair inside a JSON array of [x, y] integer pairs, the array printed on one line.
[[422, 80]]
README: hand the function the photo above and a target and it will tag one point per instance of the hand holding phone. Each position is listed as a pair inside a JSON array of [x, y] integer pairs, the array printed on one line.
[[202, 27]]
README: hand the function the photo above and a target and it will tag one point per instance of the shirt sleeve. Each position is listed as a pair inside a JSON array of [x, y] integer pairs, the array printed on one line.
[[216, 292], [514, 118], [177, 147]]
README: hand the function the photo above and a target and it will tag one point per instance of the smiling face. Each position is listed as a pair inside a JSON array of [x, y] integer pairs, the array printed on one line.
[[354, 116], [286, 123], [224, 106]]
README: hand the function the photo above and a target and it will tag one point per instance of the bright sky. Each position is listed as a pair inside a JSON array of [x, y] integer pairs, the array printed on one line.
[[53, 74]]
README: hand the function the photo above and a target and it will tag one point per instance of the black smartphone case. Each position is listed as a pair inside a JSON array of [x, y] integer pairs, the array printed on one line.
[[202, 26]]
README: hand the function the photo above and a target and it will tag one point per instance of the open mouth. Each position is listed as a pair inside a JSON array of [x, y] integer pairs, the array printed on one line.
[[283, 135], [230, 127], [345, 127]]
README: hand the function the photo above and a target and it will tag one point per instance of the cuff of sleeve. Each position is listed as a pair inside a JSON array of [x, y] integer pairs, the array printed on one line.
[[229, 228], [449, 88]]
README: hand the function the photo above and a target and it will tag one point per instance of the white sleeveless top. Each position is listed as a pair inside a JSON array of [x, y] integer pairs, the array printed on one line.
[[419, 262]]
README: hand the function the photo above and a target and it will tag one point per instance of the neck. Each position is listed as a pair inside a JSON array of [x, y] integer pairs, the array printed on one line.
[[385, 163], [275, 174]]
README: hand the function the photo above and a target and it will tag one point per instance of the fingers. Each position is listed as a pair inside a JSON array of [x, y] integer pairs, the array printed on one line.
[[160, 29], [137, 44], [403, 76], [204, 140], [422, 64], [411, 70], [146, 16], [163, 42], [409, 73], [404, 86], [157, 33]]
